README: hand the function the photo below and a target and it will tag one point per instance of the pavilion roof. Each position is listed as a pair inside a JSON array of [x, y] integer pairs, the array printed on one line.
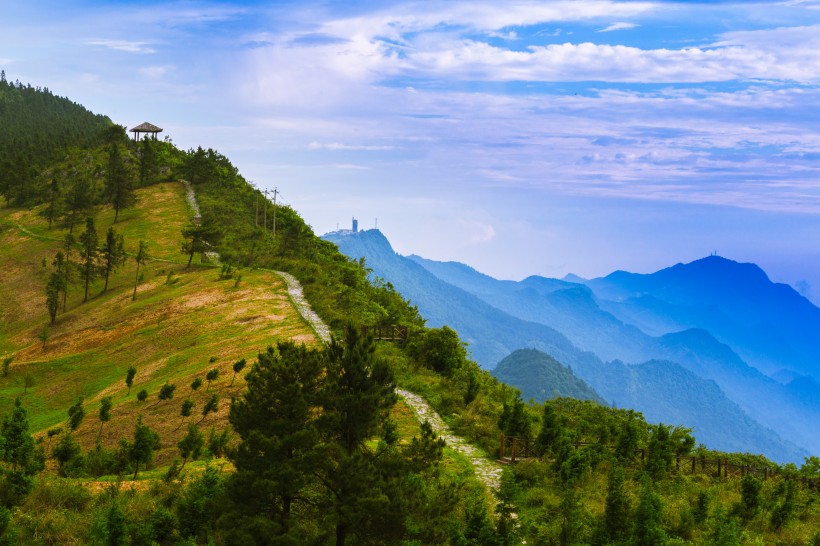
[[146, 128]]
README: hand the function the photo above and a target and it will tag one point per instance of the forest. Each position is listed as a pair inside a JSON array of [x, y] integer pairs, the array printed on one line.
[[133, 414]]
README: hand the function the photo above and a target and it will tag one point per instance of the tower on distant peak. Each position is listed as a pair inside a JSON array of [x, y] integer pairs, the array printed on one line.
[[355, 226]]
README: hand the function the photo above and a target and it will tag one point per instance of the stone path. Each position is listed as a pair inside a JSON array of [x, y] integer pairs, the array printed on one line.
[[486, 470], [304, 308]]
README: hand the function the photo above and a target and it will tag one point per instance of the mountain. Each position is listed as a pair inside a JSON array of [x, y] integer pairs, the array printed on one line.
[[583, 314], [492, 334], [768, 324], [540, 377]]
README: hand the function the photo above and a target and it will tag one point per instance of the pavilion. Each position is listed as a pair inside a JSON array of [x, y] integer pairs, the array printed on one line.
[[145, 128]]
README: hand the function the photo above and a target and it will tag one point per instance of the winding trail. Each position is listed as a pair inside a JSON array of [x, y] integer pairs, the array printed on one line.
[[487, 471]]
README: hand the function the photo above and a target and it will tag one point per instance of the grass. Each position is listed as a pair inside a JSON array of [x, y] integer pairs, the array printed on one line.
[[170, 333]]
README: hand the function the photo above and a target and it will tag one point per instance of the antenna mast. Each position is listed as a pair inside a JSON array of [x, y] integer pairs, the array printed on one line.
[[275, 192], [265, 210]]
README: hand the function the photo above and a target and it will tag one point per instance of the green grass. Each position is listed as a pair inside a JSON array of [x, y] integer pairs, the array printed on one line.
[[169, 333]]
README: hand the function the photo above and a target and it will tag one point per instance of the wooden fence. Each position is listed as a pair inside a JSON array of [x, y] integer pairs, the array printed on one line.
[[513, 449], [386, 333]]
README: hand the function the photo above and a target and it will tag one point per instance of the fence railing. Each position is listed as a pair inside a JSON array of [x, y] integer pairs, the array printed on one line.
[[516, 448]]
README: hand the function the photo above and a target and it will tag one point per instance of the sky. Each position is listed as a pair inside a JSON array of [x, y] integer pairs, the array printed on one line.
[[522, 138]]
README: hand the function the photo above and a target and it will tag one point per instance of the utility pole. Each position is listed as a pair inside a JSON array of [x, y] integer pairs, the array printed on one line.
[[265, 210], [275, 192]]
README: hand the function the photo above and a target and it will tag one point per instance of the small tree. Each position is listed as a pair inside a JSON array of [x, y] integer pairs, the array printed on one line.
[[69, 456], [76, 414], [514, 420], [211, 376], [217, 441], [551, 428], [69, 266], [649, 517], [750, 497], [195, 384], [16, 443], [90, 255], [141, 450], [6, 363], [166, 392], [105, 413], [53, 296], [191, 444], [129, 377], [185, 411], [142, 396], [197, 238], [616, 524], [238, 366], [140, 257], [211, 406], [112, 254]]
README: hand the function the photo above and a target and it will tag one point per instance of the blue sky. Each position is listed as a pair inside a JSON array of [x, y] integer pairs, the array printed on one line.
[[519, 137]]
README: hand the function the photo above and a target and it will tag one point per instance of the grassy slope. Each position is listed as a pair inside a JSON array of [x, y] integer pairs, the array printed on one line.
[[169, 333]]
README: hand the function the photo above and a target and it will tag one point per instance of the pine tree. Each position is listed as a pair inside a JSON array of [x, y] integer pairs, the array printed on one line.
[[79, 200], [649, 517], [514, 420], [190, 446], [54, 205], [129, 377], [661, 452], [61, 273], [238, 366], [211, 406], [16, 443], [198, 238], [68, 246], [106, 404], [119, 182], [112, 254], [140, 257], [76, 414], [53, 296], [185, 410], [360, 395], [551, 428], [89, 254], [148, 161], [141, 450], [276, 419], [616, 525]]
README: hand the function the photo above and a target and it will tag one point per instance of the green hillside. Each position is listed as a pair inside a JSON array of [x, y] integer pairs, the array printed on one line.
[[540, 377], [307, 443]]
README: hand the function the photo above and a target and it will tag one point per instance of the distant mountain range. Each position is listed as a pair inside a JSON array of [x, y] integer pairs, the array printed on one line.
[[713, 344]]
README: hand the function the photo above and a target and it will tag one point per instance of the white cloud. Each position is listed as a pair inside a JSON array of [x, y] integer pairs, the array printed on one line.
[[618, 26], [476, 232], [334, 146], [155, 72], [123, 45]]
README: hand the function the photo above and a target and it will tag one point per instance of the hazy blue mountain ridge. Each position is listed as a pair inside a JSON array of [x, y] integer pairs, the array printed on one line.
[[492, 334], [768, 324], [577, 312]]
